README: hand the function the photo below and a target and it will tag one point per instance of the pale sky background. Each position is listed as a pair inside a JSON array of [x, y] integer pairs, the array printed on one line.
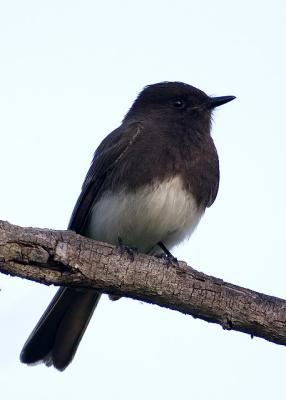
[[69, 72]]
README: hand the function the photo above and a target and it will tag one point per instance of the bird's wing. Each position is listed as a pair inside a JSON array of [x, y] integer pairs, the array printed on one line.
[[215, 176], [111, 150]]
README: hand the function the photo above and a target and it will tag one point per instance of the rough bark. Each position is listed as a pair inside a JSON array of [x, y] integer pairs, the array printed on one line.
[[64, 258]]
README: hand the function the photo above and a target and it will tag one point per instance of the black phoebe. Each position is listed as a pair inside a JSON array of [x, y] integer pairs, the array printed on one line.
[[149, 184]]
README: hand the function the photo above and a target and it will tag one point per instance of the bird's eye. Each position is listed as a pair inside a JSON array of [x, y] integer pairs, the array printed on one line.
[[179, 103]]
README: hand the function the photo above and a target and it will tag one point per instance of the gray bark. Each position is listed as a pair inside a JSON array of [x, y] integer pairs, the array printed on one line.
[[67, 259]]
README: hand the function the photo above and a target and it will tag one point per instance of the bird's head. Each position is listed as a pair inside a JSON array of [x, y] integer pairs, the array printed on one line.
[[175, 100]]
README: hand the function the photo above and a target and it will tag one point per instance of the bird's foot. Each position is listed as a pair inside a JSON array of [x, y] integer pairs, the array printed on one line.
[[123, 248], [167, 255]]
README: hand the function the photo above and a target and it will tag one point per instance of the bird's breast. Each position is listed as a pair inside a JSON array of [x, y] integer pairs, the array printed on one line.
[[161, 211]]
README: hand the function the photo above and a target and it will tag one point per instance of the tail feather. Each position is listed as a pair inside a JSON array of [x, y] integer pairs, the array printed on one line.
[[57, 335]]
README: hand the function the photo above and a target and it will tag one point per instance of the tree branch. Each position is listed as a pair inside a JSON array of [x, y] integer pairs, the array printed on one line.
[[67, 259]]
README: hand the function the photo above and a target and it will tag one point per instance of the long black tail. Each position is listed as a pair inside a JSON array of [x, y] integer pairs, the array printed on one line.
[[57, 335]]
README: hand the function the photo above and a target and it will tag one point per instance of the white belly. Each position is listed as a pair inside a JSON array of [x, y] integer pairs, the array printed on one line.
[[161, 212]]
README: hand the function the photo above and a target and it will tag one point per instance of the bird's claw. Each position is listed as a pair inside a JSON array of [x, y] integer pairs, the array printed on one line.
[[123, 249]]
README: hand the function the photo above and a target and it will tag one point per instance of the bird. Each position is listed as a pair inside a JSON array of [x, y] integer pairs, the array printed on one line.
[[149, 184]]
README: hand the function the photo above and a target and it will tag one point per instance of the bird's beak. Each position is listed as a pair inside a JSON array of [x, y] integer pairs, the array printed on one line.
[[218, 101]]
